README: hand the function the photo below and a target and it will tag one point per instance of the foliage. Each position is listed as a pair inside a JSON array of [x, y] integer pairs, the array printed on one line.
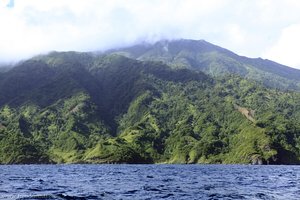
[[85, 108], [215, 61]]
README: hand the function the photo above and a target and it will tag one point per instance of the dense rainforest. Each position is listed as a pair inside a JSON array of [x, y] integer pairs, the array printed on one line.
[[180, 101]]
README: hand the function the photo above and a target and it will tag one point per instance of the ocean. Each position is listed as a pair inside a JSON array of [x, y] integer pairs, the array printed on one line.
[[149, 182]]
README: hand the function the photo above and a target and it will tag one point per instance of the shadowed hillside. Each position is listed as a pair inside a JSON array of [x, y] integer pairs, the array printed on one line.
[[216, 61], [74, 107]]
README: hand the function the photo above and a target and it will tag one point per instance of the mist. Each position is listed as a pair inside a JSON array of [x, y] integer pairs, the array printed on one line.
[[259, 28]]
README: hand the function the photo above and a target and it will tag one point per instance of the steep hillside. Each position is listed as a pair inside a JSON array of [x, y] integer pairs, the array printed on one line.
[[82, 108], [216, 61]]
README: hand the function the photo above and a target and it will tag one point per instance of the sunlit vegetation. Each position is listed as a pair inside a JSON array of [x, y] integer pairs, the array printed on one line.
[[84, 108]]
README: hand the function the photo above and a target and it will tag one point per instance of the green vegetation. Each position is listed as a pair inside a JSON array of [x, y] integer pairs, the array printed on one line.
[[215, 61], [84, 108]]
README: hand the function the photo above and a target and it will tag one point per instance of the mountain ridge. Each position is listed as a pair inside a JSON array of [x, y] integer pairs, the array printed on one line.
[[70, 107], [201, 54]]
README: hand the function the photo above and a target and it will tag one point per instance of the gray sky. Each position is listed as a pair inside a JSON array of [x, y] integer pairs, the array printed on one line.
[[254, 28]]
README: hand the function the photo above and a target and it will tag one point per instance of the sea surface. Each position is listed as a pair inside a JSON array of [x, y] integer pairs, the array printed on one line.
[[149, 182]]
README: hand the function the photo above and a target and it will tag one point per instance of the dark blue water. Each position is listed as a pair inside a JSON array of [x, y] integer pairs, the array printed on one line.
[[149, 182]]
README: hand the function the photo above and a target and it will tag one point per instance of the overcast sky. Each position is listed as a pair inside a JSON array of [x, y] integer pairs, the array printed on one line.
[[254, 28]]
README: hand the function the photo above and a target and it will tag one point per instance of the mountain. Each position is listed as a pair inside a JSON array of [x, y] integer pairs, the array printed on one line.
[[215, 61], [70, 107], [5, 68]]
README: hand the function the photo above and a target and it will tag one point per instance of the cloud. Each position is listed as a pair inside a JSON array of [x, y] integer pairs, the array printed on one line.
[[286, 49], [250, 28], [35, 26], [235, 34], [10, 4]]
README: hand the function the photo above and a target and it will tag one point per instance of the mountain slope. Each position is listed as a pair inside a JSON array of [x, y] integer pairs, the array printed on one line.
[[84, 108], [216, 61]]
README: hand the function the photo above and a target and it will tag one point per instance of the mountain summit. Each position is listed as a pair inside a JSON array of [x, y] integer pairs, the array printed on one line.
[[179, 101], [203, 56]]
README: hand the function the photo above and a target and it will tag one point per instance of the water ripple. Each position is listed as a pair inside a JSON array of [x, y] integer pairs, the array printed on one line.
[[63, 182]]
